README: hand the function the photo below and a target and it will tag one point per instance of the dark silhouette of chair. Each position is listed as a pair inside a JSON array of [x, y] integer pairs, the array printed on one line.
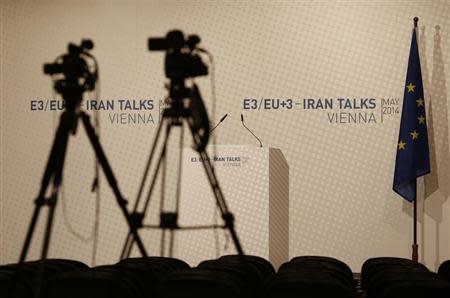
[[202, 283], [21, 280], [390, 277], [130, 278], [444, 270], [311, 277]]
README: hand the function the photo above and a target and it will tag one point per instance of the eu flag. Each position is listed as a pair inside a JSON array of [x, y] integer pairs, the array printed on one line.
[[413, 158]]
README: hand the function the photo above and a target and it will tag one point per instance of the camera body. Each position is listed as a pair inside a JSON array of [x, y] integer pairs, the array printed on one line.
[[181, 61], [74, 69]]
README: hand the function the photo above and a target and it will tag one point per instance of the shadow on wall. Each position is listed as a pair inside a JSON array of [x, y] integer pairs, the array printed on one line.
[[439, 136], [431, 180], [430, 183], [437, 187], [435, 200]]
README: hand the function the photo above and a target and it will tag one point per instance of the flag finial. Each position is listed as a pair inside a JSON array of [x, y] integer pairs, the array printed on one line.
[[416, 19]]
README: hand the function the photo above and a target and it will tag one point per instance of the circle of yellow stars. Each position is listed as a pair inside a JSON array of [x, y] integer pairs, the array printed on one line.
[[421, 119]]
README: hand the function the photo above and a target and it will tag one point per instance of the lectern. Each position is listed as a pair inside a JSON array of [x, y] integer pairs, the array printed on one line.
[[255, 182]]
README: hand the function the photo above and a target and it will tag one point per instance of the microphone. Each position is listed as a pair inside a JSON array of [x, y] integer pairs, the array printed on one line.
[[242, 120], [221, 120]]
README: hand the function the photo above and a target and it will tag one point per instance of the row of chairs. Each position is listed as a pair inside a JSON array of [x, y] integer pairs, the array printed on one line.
[[227, 277], [312, 276], [397, 277], [23, 280], [135, 277], [444, 270]]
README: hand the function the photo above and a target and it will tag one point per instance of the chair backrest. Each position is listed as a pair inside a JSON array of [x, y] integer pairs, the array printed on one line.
[[264, 266], [201, 283], [373, 266], [99, 282], [444, 270], [21, 280], [306, 284], [411, 284]]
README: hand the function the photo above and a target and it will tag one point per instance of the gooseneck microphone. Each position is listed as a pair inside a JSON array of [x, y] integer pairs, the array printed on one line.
[[221, 120], [242, 120]]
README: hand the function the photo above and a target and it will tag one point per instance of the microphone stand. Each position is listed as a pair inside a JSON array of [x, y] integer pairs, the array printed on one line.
[[242, 120]]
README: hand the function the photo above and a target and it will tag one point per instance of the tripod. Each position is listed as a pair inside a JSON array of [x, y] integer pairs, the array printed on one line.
[[186, 108], [72, 95]]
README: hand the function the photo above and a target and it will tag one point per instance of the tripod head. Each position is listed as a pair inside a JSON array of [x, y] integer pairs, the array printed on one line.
[[182, 62], [74, 74]]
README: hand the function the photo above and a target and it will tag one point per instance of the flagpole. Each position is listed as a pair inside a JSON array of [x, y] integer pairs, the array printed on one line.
[[415, 246]]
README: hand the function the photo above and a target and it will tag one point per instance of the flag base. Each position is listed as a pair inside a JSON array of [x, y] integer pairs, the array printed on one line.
[[415, 253]]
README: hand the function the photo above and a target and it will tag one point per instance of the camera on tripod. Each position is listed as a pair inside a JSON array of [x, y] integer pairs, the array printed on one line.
[[182, 60], [74, 68]]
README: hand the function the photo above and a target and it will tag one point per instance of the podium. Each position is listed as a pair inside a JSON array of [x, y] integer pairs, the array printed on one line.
[[255, 183]]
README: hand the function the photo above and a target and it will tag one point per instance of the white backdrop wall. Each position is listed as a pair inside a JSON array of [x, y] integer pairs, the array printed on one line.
[[341, 198]]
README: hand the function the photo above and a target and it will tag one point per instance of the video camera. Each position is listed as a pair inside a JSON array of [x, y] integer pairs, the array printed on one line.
[[74, 68], [182, 60]]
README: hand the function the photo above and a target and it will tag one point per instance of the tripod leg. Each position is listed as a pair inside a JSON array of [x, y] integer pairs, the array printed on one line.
[[57, 179], [171, 243], [153, 182], [180, 169], [31, 227], [126, 250], [162, 245], [163, 177], [100, 154], [49, 225], [147, 167], [220, 200], [158, 166], [59, 155], [128, 245], [163, 190], [60, 137], [178, 195]]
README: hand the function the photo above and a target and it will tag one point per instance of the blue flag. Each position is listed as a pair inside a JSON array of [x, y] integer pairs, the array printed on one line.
[[413, 159]]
